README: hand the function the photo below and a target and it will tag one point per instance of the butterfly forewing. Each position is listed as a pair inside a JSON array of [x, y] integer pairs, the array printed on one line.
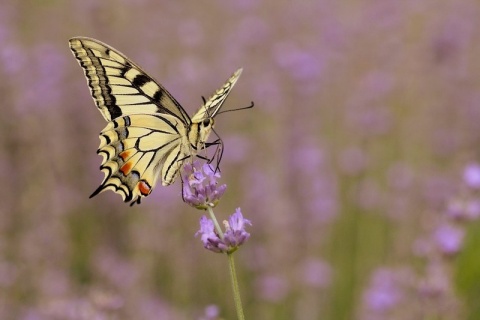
[[119, 86], [214, 103], [148, 135]]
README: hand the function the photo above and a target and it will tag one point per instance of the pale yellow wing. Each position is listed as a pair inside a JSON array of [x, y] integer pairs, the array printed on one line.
[[137, 150], [211, 107], [119, 86]]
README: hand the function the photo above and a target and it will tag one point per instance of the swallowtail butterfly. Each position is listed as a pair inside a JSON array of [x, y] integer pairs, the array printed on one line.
[[149, 135]]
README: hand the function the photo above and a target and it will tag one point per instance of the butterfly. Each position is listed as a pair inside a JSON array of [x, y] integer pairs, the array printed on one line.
[[149, 135]]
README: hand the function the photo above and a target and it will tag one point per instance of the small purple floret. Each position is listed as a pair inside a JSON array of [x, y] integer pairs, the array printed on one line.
[[471, 175], [200, 186], [449, 238], [211, 241], [235, 234]]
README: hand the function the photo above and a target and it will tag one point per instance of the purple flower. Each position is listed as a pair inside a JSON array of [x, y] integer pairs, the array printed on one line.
[[235, 234], [384, 292], [463, 209], [473, 209], [471, 175], [211, 241], [456, 209], [449, 239], [200, 186], [211, 312]]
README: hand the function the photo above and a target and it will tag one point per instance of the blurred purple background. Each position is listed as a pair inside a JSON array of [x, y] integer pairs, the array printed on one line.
[[357, 166]]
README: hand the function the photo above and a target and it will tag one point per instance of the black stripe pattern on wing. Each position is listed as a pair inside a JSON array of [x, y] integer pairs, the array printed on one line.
[[119, 86], [136, 149]]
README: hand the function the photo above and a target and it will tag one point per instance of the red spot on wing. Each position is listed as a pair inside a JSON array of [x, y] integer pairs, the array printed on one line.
[[144, 188], [126, 168], [125, 154]]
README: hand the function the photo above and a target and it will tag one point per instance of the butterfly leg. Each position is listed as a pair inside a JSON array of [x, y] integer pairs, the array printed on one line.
[[218, 152]]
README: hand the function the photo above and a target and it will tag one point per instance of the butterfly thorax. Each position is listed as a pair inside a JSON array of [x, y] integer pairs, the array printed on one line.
[[192, 141], [199, 133]]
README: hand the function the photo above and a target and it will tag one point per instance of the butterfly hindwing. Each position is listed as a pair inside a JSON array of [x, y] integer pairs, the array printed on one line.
[[137, 149]]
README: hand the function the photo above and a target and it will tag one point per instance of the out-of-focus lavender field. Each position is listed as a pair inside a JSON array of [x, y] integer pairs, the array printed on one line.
[[357, 166]]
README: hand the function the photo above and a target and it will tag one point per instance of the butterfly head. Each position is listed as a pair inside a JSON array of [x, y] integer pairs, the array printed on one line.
[[204, 128]]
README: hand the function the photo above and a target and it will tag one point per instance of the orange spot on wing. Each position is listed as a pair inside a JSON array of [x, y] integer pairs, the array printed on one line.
[[125, 154], [126, 168], [144, 188]]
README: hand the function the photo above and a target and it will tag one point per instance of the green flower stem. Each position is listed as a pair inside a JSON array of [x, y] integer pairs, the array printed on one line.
[[236, 290], [233, 273], [215, 222]]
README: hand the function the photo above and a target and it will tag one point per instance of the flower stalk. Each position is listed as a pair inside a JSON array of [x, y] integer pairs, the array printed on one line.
[[236, 291], [215, 222], [201, 191], [233, 273]]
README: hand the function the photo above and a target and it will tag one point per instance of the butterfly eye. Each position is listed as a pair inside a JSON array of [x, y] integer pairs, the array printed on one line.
[[206, 122]]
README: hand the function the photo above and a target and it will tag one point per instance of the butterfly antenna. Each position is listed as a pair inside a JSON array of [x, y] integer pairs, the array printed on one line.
[[244, 108]]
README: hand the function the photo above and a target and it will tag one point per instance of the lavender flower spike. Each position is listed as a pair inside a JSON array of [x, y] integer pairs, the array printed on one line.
[[235, 234], [200, 186]]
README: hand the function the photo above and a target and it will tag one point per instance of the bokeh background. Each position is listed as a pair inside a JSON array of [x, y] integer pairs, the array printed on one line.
[[357, 166]]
